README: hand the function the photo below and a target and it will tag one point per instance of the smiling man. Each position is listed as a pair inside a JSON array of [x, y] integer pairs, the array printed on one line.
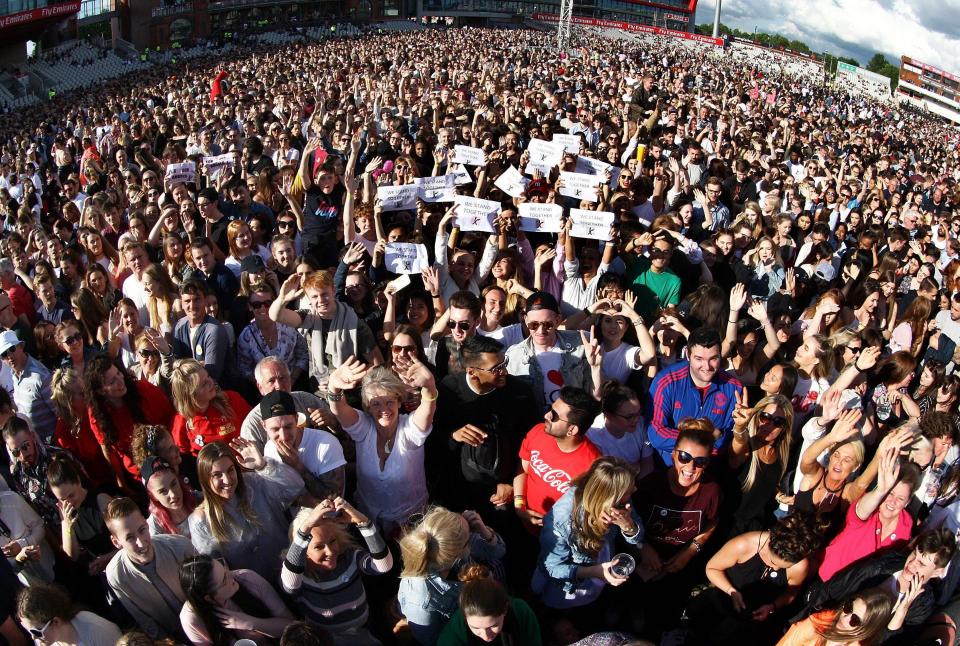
[[694, 388], [145, 573]]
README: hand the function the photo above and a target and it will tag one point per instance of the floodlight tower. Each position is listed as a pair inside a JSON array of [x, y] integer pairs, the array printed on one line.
[[563, 27], [716, 20]]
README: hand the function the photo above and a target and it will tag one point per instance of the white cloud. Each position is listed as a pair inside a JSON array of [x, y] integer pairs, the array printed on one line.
[[928, 30]]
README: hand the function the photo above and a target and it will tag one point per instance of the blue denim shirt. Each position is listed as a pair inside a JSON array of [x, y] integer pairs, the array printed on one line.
[[429, 602], [561, 557]]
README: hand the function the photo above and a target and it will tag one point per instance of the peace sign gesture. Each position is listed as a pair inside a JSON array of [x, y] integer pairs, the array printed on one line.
[[741, 411], [593, 351]]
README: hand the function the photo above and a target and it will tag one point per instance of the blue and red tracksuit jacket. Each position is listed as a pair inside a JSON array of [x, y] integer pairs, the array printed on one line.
[[674, 397]]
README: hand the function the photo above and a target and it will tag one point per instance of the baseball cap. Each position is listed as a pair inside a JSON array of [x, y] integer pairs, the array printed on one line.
[[8, 340], [152, 464], [542, 301], [277, 404], [252, 264]]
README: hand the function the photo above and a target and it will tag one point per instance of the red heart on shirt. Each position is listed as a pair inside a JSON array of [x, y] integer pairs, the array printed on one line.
[[555, 377]]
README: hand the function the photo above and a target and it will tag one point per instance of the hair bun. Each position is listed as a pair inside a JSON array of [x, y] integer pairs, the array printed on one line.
[[474, 572]]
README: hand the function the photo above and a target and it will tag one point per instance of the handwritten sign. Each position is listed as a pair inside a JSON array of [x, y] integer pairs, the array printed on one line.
[[512, 182], [469, 155], [579, 186], [594, 225], [398, 198], [540, 218], [216, 165], [570, 143], [406, 257], [544, 155], [474, 214], [181, 173], [436, 189]]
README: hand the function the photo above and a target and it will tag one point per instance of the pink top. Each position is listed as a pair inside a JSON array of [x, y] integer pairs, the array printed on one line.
[[254, 584], [861, 538]]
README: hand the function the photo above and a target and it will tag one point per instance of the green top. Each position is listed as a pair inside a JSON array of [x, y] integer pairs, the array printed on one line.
[[653, 290], [526, 627]]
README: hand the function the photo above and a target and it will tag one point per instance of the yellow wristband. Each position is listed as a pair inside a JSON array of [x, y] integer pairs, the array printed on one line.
[[427, 398]]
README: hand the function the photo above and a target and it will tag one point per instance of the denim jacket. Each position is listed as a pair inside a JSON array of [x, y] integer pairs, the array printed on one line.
[[560, 556], [429, 602], [522, 362]]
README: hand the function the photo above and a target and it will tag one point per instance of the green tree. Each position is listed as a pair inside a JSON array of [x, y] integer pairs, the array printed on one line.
[[851, 61], [877, 63]]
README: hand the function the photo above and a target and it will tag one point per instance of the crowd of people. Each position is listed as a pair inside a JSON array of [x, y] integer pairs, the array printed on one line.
[[443, 337]]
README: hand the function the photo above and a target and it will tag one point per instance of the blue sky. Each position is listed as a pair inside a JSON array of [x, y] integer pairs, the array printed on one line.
[[928, 30]]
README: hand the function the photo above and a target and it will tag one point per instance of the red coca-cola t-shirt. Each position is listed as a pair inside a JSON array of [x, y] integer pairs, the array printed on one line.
[[551, 470]]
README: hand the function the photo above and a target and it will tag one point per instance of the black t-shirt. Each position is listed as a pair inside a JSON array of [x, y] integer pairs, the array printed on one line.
[[321, 211]]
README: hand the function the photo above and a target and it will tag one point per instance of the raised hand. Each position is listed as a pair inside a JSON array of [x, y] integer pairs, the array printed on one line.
[[413, 372], [157, 340], [868, 358], [741, 410], [830, 405], [757, 310], [344, 508], [889, 469], [592, 348], [545, 256], [354, 253], [250, 454], [431, 279], [846, 425], [348, 375]]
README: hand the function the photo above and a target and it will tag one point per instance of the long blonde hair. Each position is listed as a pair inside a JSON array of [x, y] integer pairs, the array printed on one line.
[[214, 507], [184, 383], [600, 488], [782, 444], [163, 283], [435, 544]]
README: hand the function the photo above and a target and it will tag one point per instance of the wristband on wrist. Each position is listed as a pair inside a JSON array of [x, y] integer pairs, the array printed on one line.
[[426, 397], [334, 396]]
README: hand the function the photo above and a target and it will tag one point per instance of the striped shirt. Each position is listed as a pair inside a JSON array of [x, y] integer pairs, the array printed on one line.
[[335, 599]]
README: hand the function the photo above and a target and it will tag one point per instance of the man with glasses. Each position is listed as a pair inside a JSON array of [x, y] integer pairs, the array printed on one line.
[[708, 201], [482, 415], [650, 278], [208, 203], [692, 389], [553, 454], [551, 359], [31, 385], [28, 471], [451, 330]]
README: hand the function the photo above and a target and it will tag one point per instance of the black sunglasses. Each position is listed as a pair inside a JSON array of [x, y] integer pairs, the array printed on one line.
[[73, 338], [282, 224], [685, 458], [463, 326], [855, 619], [778, 421], [855, 349], [255, 305]]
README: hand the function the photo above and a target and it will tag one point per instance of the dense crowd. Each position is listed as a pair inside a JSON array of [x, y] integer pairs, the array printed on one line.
[[442, 337]]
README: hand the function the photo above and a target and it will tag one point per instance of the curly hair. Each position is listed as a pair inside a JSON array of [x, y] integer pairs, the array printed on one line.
[[796, 536], [93, 376]]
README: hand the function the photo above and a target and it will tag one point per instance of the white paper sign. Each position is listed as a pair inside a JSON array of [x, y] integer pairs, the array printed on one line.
[[398, 198], [591, 166], [406, 257], [436, 189], [460, 174], [579, 186], [512, 182], [400, 282], [474, 214], [591, 224], [185, 172], [544, 155], [469, 155], [541, 218], [216, 164], [570, 143]]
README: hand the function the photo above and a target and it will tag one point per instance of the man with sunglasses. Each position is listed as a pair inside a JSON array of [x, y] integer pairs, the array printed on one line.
[[28, 471], [452, 330], [482, 415], [692, 389], [550, 359], [31, 385]]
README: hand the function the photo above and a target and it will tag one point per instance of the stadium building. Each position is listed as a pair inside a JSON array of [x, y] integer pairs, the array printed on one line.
[[929, 87]]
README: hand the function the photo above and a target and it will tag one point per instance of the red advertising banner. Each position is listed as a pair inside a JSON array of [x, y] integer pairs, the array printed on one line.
[[65, 9], [629, 26]]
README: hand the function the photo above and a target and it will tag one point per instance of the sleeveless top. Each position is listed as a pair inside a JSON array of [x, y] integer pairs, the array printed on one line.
[[757, 582]]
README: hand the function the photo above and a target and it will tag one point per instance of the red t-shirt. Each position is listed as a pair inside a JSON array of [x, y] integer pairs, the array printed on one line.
[[85, 448], [551, 470], [156, 409], [861, 538], [22, 301], [210, 426]]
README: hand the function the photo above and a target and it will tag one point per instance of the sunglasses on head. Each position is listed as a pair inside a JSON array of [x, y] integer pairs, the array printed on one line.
[[685, 458], [847, 609], [533, 326], [778, 421], [463, 326]]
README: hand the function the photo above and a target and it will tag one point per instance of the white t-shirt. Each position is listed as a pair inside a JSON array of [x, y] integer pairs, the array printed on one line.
[[553, 381], [508, 336], [133, 289], [319, 451], [620, 362], [632, 447], [948, 326]]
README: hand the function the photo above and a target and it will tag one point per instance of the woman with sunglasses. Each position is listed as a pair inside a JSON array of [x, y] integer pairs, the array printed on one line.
[[680, 508], [861, 620], [70, 340], [263, 337], [48, 614], [755, 576], [757, 461]]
